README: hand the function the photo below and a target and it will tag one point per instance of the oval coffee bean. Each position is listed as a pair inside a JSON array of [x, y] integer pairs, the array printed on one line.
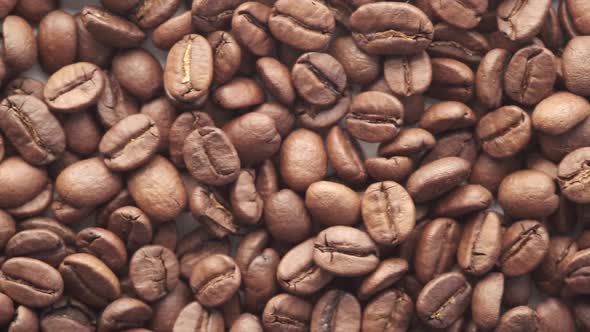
[[215, 279], [20, 182], [74, 87], [375, 117], [337, 309], [436, 178], [254, 136], [319, 79], [183, 125], [303, 159], [443, 300], [505, 132], [518, 319], [464, 15], [259, 279], [239, 93], [571, 175], [332, 204], [286, 312], [489, 77], [524, 245], [111, 29], [528, 194], [212, 210], [391, 310], [19, 45], [463, 201], [32, 129], [360, 68], [247, 204], [124, 313], [58, 40], [553, 269], [227, 55], [154, 272], [104, 244], [247, 323], [194, 317], [436, 250], [576, 279], [487, 300], [408, 75], [91, 49], [451, 80], [480, 244], [286, 216], [447, 115], [559, 113], [521, 21], [250, 26], [530, 75], [409, 143], [149, 14], [345, 156], [345, 251], [211, 15], [387, 273], [388, 212], [276, 77], [139, 72], [132, 226], [40, 244]]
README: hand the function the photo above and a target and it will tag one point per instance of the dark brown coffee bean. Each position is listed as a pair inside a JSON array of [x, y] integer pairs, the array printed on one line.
[[391, 310], [528, 194], [132, 226], [158, 189], [530, 75], [307, 25], [286, 217], [286, 312], [189, 71], [451, 80], [111, 29], [32, 129], [150, 14], [447, 115], [464, 15], [345, 156], [104, 244], [138, 72], [277, 79], [521, 21], [297, 273], [208, 15], [489, 78], [20, 182], [480, 244], [319, 79], [185, 123], [443, 300], [574, 62], [58, 40], [518, 319], [154, 272], [408, 75], [115, 103], [345, 251], [360, 68], [74, 87], [436, 178], [338, 310], [388, 212], [35, 10], [375, 34], [462, 201], [410, 142], [576, 279], [387, 273], [211, 209], [559, 113], [332, 204], [436, 250], [67, 314], [82, 133], [40, 244], [451, 42], [31, 282], [505, 132], [246, 323], [124, 313], [172, 30], [460, 144], [487, 300], [250, 27], [524, 245], [195, 317], [552, 270], [375, 117], [303, 159], [19, 43], [259, 281], [254, 137], [247, 204], [68, 214], [571, 175], [215, 279]]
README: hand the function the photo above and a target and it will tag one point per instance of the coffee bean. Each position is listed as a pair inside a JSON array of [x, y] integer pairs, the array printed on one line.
[[240, 92], [211, 209], [172, 30], [40, 244], [20, 182], [571, 176], [267, 179], [259, 280], [548, 116], [202, 244], [58, 40], [7, 228], [360, 68], [387, 273], [443, 300], [149, 14], [461, 14], [138, 72], [489, 77], [74, 87], [82, 133], [208, 16], [480, 244], [194, 316], [410, 142], [462, 201], [410, 34], [215, 279], [24, 86], [315, 117], [552, 270], [319, 79], [154, 272], [32, 129], [35, 10], [19, 43], [185, 123], [436, 249], [307, 25], [518, 319], [68, 313], [398, 306], [576, 281], [436, 178], [254, 137], [338, 310], [524, 244], [333, 204], [345, 156], [246, 323], [521, 21], [104, 244], [250, 27], [247, 204], [89, 48], [528, 194], [276, 78], [124, 313], [345, 251], [530, 75], [393, 169], [31, 282], [111, 29], [447, 115], [286, 216], [132, 226], [375, 117], [286, 312], [553, 314], [451, 80], [408, 75], [303, 159]]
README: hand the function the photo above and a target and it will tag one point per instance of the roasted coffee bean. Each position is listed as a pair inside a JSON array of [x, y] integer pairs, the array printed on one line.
[[345, 156], [436, 178], [319, 79], [462, 201], [487, 300], [530, 75], [31, 282], [57, 40], [89, 48], [138, 72], [489, 172], [132, 226], [360, 68], [20, 182], [552, 270], [375, 117], [202, 244], [239, 93], [115, 103], [286, 216], [286, 312], [7, 228], [574, 60], [521, 21], [393, 169], [32, 129], [504, 132], [215, 279], [247, 204], [387, 273], [66, 314], [35, 10], [277, 79], [576, 279], [167, 309], [518, 319], [559, 113], [375, 34], [189, 71], [408, 75], [172, 30], [19, 45], [267, 179], [461, 143], [392, 309], [195, 317], [307, 25], [315, 117], [489, 77], [388, 212], [345, 251], [149, 14], [124, 313], [443, 300], [74, 87], [463, 15], [524, 245], [154, 272], [436, 250], [259, 281], [185, 123], [250, 27], [303, 159], [104, 244], [211, 209], [246, 323], [338, 310], [68, 214], [456, 43], [64, 232], [480, 244], [528, 194], [554, 315], [40, 244], [24, 86], [451, 80], [517, 290], [111, 29], [447, 115], [208, 15], [163, 113], [25, 319], [332, 204], [571, 175], [254, 136], [82, 133], [410, 142]]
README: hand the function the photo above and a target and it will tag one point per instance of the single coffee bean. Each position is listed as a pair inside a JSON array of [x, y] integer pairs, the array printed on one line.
[[68, 214], [462, 201], [20, 182], [286, 216], [172, 30], [375, 117], [408, 75], [154, 272], [82, 133], [571, 175], [208, 15], [254, 137], [215, 279], [163, 113], [40, 244], [521, 21], [387, 273], [89, 48], [259, 280], [211, 209], [319, 79], [451, 80], [74, 87], [286, 312], [247, 204], [240, 92], [530, 75], [35, 10], [524, 245], [250, 246], [375, 34], [487, 300], [250, 27], [303, 159], [210, 156], [189, 71], [297, 272], [315, 117], [456, 43], [167, 309], [36, 206], [505, 132], [132, 226], [158, 189], [104, 244], [332, 204], [115, 103], [345, 156], [551, 33], [550, 275], [202, 244], [32, 129], [88, 183], [480, 244], [185, 123], [111, 29], [566, 21], [574, 62], [554, 315], [557, 147], [345, 251], [436, 250], [489, 77], [391, 310], [393, 169], [559, 113], [528, 194], [576, 279], [130, 143], [150, 14], [123, 314], [246, 323], [388, 212], [58, 40], [517, 291], [25, 319], [360, 68], [123, 198], [138, 72], [31, 282], [410, 142], [460, 144], [576, 9], [338, 310], [447, 115], [436, 178], [66, 314], [194, 317], [443, 300], [227, 55], [276, 77], [460, 14], [307, 25], [489, 172], [518, 319], [19, 45]]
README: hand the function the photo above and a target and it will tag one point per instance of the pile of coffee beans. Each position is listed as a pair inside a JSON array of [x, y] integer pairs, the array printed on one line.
[[295, 165]]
